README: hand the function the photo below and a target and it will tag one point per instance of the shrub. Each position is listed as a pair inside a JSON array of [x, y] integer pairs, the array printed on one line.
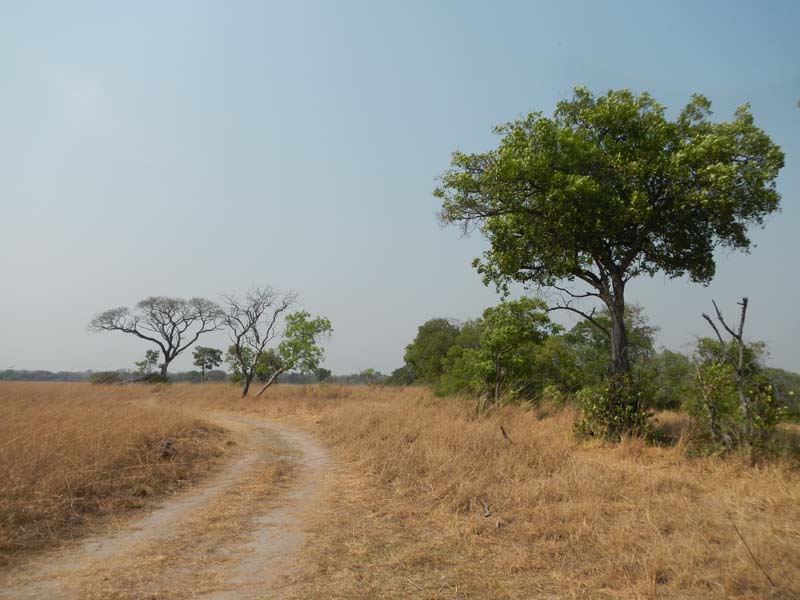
[[611, 409]]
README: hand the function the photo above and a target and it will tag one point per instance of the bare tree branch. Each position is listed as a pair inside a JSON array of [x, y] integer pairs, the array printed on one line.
[[252, 325], [173, 324]]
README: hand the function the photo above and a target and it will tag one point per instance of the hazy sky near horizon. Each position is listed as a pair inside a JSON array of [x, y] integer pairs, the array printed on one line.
[[198, 148]]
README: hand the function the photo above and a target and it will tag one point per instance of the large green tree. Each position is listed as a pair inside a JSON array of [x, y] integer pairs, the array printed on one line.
[[608, 189]]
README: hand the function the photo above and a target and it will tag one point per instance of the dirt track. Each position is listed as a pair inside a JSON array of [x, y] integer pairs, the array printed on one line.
[[234, 536]]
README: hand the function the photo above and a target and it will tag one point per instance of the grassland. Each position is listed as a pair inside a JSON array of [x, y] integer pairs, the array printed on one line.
[[431, 502], [73, 456], [434, 503]]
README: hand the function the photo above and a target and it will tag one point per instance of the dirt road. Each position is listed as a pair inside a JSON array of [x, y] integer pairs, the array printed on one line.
[[234, 536]]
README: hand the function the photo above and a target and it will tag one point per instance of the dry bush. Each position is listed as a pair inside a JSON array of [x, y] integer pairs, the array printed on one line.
[[70, 453]]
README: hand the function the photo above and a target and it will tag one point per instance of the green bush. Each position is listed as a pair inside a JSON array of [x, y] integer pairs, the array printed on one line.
[[724, 424], [611, 409]]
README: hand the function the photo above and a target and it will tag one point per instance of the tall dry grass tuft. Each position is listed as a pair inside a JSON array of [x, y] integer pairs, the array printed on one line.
[[70, 453]]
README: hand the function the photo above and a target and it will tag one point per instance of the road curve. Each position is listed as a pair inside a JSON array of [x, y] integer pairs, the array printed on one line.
[[232, 536]]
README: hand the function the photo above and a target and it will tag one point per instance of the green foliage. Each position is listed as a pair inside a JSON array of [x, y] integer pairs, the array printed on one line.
[[146, 366], [666, 379], [610, 410], [592, 347], [402, 376], [263, 367], [723, 425], [206, 359], [498, 355], [369, 375], [609, 189], [425, 354], [300, 350], [322, 374], [610, 179], [787, 390]]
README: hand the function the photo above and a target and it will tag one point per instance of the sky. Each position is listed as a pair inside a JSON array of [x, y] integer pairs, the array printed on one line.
[[200, 148]]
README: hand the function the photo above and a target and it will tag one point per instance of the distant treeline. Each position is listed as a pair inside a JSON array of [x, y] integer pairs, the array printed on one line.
[[216, 375], [77, 376]]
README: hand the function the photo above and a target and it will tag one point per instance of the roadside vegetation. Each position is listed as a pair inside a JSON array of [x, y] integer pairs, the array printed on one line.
[[73, 456]]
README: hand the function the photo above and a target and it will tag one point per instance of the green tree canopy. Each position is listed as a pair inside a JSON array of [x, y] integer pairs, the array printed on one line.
[[426, 352], [206, 359], [498, 354], [608, 189], [146, 366], [299, 349]]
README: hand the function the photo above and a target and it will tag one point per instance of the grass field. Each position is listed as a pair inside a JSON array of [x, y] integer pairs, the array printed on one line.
[[435, 503], [73, 456], [431, 502]]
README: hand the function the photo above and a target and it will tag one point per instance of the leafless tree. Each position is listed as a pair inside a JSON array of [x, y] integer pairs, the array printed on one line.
[[173, 324], [252, 323]]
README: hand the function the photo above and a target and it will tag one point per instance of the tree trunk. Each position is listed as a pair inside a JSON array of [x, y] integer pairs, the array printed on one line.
[[269, 382], [619, 367], [164, 366], [496, 379], [246, 386]]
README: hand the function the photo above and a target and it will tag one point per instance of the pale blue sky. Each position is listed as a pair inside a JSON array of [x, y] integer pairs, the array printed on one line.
[[192, 148]]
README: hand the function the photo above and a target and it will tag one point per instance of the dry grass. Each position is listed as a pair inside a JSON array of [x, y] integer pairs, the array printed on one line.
[[430, 502], [73, 455], [437, 504]]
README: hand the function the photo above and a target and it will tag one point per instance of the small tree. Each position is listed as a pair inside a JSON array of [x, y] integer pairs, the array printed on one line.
[[146, 366], [206, 359], [252, 324], [369, 375], [173, 324], [322, 374], [737, 405], [299, 350], [504, 359]]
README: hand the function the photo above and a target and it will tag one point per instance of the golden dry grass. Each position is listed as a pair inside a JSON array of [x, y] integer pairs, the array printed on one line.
[[430, 502], [434, 503], [72, 455]]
